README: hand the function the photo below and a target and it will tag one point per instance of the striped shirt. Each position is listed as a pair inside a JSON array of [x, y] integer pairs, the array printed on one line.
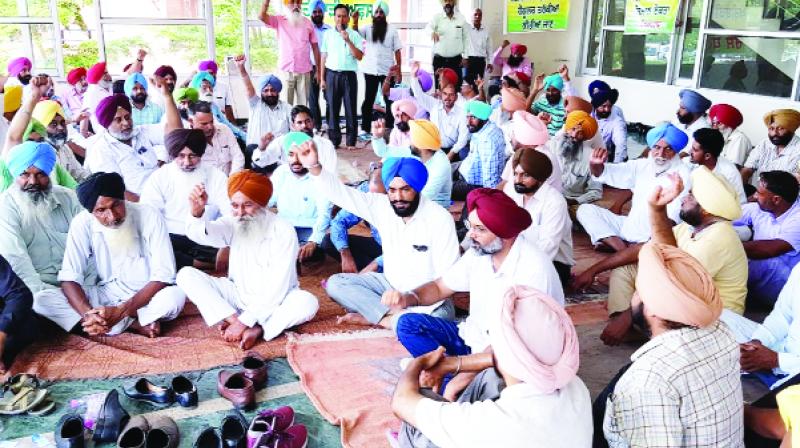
[[765, 157], [557, 113], [150, 114]]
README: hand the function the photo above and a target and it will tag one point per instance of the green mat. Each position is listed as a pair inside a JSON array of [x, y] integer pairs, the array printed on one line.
[[282, 389]]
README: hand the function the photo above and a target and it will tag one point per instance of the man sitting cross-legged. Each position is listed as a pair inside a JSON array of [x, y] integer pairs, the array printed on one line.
[[130, 247], [261, 295]]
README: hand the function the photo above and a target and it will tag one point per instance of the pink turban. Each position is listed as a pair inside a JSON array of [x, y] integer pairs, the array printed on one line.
[[534, 340], [96, 72], [513, 99], [15, 66], [518, 49], [529, 130], [107, 108], [407, 106], [674, 286]]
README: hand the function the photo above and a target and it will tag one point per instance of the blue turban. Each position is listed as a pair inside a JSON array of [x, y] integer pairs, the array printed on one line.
[[384, 6], [270, 80], [411, 169], [598, 86], [132, 80], [676, 138], [28, 154], [694, 102], [317, 4], [198, 79], [554, 80], [294, 138]]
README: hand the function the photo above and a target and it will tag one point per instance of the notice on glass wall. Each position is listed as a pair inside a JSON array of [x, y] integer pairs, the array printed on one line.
[[650, 16], [527, 16]]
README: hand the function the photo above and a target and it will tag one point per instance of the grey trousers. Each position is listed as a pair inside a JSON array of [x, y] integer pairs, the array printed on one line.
[[487, 385]]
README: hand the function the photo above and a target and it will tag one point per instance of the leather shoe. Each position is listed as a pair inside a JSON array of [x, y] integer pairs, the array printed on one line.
[[234, 431], [69, 431], [255, 367], [237, 388], [163, 433], [134, 434], [110, 420], [209, 438], [144, 390], [185, 391]]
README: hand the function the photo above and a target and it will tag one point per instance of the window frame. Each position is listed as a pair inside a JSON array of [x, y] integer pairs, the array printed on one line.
[[56, 38]]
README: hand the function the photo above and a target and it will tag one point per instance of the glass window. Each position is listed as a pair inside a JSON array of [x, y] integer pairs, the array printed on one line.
[[593, 44], [24, 8], [636, 56], [263, 50], [228, 30], [164, 9], [35, 39], [616, 12], [180, 46], [755, 15], [759, 65], [692, 33]]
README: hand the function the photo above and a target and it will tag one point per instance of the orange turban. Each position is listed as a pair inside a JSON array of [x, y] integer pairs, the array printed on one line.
[[675, 286], [573, 103], [255, 186], [785, 118], [513, 99], [582, 119], [424, 135]]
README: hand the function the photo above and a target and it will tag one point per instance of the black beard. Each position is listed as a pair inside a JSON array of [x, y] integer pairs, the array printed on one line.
[[408, 211], [415, 151], [474, 129], [522, 189], [379, 30], [691, 217], [308, 132], [448, 9], [403, 126], [139, 99], [602, 115], [514, 61], [25, 79], [57, 139], [685, 119], [270, 101], [553, 98], [781, 141], [318, 20], [301, 171]]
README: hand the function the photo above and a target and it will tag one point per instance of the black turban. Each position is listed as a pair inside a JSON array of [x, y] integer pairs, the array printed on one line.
[[178, 139], [165, 70], [601, 96], [109, 185]]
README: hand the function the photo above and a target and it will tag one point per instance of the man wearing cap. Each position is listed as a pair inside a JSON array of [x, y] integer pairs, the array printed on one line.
[[448, 116], [497, 259], [683, 386], [527, 393], [382, 47], [573, 147], [168, 188], [403, 112], [550, 106], [269, 115], [613, 129], [299, 202], [727, 119], [425, 144], [19, 71], [99, 87], [418, 237], [691, 115], [261, 296], [449, 35], [222, 150], [144, 111], [73, 99], [482, 165], [318, 10], [706, 234], [516, 60], [779, 151], [479, 48], [18, 323], [770, 229], [706, 149], [613, 232], [551, 228], [50, 114], [129, 245], [35, 216]]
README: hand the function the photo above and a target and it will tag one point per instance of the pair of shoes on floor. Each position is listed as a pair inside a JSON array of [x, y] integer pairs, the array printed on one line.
[[150, 432], [275, 428], [240, 387], [181, 390], [23, 393], [70, 432], [111, 418], [232, 433]]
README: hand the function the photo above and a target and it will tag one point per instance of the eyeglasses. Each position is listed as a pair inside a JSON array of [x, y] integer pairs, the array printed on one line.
[[477, 228]]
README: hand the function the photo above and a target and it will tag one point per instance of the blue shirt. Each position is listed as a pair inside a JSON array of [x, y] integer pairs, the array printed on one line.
[[150, 114], [440, 175], [343, 221], [486, 160], [299, 202], [767, 227]]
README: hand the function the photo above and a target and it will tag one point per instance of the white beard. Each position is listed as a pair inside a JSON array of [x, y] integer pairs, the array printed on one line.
[[725, 131], [190, 178], [35, 208], [123, 241], [295, 18], [250, 230]]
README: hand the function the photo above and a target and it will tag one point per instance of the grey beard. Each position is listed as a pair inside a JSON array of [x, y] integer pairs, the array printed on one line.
[[121, 136], [490, 249], [35, 206], [248, 229], [570, 148]]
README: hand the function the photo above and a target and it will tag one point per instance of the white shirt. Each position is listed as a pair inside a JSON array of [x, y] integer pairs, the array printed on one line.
[[86, 245], [168, 189], [642, 177], [689, 129], [274, 153], [222, 95], [224, 152], [737, 147], [414, 252], [729, 172], [452, 125], [576, 178], [479, 43], [300, 202], [265, 119], [522, 417], [765, 157], [134, 162], [379, 56], [551, 229], [264, 273], [780, 330], [525, 264], [94, 94]]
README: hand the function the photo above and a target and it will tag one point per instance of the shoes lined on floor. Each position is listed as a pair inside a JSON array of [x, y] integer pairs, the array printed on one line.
[[271, 428], [69, 432], [181, 390], [149, 432], [239, 387]]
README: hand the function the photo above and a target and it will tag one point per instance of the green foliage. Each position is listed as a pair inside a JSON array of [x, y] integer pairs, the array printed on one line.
[[85, 54], [69, 13]]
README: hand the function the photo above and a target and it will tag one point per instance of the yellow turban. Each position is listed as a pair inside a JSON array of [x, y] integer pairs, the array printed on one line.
[[46, 110], [12, 100], [785, 118], [582, 119], [789, 407], [715, 194], [674, 286], [424, 135]]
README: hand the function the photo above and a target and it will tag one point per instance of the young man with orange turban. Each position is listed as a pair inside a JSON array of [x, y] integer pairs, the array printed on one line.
[[260, 297]]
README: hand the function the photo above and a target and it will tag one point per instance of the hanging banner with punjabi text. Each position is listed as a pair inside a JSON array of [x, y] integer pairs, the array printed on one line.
[[650, 16], [527, 16]]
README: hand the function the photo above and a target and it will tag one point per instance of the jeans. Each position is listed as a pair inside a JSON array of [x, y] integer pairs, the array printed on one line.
[[420, 334], [371, 85], [341, 87]]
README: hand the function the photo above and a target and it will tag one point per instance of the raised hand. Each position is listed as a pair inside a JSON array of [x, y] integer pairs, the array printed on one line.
[[538, 82], [597, 161], [141, 53], [265, 140], [506, 43], [378, 128], [662, 196], [198, 199], [414, 68], [564, 72], [307, 155]]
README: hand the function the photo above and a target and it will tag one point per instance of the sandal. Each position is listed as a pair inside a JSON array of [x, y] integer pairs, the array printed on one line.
[[23, 401], [18, 381], [45, 407]]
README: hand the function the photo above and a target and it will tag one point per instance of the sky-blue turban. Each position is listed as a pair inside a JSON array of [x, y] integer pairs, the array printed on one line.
[[28, 154], [132, 80], [294, 138], [411, 169], [554, 80], [694, 102], [479, 109], [198, 79], [270, 80], [317, 4], [676, 138]]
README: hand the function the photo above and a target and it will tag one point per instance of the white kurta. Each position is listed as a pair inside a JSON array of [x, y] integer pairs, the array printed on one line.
[[134, 162], [264, 119]]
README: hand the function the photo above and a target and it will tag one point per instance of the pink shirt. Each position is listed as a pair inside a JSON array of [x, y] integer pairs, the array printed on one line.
[[524, 66], [73, 101], [294, 44], [399, 139]]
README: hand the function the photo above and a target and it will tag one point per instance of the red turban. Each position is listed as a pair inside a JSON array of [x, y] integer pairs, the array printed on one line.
[[726, 114], [107, 108], [450, 75], [522, 77], [75, 75], [498, 212], [518, 49], [95, 73], [255, 186]]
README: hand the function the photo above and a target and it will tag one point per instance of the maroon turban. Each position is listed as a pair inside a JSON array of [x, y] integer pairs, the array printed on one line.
[[165, 70], [107, 108], [498, 212], [75, 75], [450, 75]]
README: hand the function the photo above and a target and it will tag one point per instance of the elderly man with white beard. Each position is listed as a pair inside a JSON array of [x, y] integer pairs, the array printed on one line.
[[35, 216], [129, 245], [573, 148], [261, 296]]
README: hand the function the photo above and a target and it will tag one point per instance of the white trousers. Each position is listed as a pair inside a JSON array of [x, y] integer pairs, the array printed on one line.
[[741, 327], [165, 305], [217, 299], [599, 222]]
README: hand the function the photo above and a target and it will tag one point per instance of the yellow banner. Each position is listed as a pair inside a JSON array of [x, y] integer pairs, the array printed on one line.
[[527, 16]]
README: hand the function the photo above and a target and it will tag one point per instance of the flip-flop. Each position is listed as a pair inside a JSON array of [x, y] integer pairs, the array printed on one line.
[[16, 382], [23, 401], [45, 407]]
